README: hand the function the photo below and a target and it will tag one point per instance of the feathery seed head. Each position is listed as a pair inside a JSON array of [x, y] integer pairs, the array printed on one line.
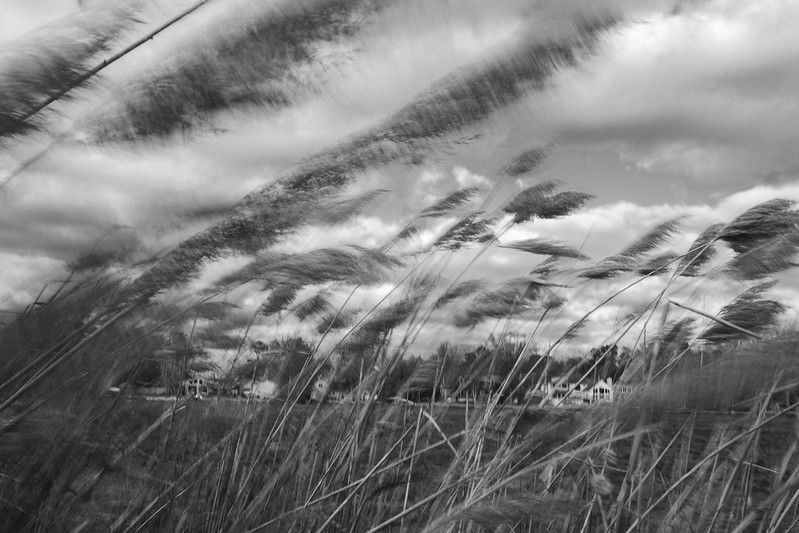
[[762, 222], [525, 162], [700, 252], [658, 264], [750, 311], [318, 304], [541, 246], [279, 299], [766, 259], [458, 291], [450, 203], [470, 229]]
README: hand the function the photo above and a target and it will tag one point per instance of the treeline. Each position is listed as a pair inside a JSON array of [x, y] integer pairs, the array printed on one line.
[[452, 369]]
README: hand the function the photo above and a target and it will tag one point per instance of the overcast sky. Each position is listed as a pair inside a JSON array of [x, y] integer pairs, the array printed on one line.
[[685, 108]]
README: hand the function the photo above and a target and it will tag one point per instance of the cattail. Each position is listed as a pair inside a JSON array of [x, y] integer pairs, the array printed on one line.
[[335, 320], [549, 247], [473, 228], [248, 64], [607, 268], [525, 162], [652, 239], [213, 311], [509, 298], [766, 259], [574, 329], [625, 260], [563, 204], [460, 290], [540, 201], [382, 322], [552, 301], [471, 94], [458, 100], [527, 203], [279, 299], [353, 264], [407, 232], [658, 264], [318, 304], [677, 332], [450, 203], [338, 211], [700, 252], [749, 311], [546, 267], [52, 59], [760, 223]]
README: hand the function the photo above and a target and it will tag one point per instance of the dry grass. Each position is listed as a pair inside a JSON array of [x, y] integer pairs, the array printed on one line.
[[74, 456], [233, 465]]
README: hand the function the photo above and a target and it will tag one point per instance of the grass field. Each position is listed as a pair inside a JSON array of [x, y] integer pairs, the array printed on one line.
[[704, 439], [265, 263], [369, 464]]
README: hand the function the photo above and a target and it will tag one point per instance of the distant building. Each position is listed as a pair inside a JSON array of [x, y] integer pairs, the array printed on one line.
[[602, 391], [575, 394], [322, 391], [200, 387]]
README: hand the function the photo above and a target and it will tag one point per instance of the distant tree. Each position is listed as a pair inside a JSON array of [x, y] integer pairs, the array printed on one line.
[[168, 362], [602, 363], [400, 374], [559, 367], [492, 363], [279, 361]]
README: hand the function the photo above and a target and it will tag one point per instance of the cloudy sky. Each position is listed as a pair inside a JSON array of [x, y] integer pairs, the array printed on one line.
[[683, 108]]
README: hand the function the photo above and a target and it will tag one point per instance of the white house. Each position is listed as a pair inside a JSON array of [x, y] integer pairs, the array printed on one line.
[[575, 394], [200, 387], [602, 391]]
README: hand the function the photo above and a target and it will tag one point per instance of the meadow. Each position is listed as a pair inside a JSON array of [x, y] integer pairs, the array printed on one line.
[[705, 436], [709, 446]]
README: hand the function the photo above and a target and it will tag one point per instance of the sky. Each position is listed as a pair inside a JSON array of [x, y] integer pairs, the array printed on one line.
[[684, 108]]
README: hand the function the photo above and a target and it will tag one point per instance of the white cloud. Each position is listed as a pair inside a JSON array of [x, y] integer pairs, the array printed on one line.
[[706, 96], [464, 178], [22, 277]]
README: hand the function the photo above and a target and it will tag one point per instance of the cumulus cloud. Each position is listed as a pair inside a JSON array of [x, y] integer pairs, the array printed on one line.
[[22, 278], [689, 111], [707, 95]]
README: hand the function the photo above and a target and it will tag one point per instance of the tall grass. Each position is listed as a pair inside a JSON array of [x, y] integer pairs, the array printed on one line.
[[78, 456], [705, 438]]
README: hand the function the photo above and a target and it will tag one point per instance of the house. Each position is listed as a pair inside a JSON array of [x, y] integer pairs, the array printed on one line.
[[576, 394], [251, 395], [200, 387], [322, 391], [602, 391]]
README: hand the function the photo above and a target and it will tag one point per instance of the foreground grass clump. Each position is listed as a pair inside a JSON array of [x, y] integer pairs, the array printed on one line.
[[669, 455], [703, 430], [702, 433]]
